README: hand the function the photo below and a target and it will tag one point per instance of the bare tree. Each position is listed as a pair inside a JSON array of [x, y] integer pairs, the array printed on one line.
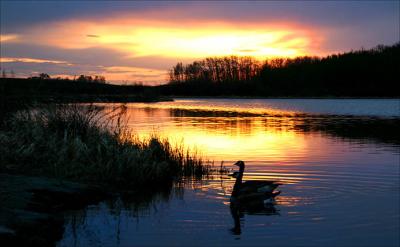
[[44, 76]]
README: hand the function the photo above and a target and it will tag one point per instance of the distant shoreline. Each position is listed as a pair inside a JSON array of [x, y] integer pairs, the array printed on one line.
[[66, 91], [281, 97]]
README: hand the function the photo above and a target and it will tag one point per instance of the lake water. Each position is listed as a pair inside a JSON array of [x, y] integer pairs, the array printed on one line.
[[337, 160]]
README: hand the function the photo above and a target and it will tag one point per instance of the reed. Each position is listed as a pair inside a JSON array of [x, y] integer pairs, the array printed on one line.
[[89, 144]]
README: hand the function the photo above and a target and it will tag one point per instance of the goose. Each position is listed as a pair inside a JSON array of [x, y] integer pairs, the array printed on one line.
[[252, 191]]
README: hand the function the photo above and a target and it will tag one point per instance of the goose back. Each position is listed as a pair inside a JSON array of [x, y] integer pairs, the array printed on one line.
[[259, 186]]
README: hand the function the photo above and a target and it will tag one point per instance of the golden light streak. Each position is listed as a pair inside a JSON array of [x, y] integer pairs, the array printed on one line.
[[221, 108], [139, 70], [134, 74]]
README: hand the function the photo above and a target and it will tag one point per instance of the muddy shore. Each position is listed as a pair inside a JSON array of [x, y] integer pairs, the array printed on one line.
[[31, 208]]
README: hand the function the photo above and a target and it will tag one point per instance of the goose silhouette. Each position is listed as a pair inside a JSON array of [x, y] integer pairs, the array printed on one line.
[[252, 192], [251, 197]]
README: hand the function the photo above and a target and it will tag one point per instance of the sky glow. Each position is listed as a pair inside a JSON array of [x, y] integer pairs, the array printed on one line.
[[138, 42]]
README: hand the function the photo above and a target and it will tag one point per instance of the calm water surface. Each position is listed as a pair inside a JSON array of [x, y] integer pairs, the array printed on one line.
[[339, 166]]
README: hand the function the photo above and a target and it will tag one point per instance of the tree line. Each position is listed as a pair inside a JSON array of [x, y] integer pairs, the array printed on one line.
[[81, 78], [365, 72], [216, 70]]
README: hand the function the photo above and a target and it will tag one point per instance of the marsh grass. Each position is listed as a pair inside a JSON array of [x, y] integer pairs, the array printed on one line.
[[90, 144]]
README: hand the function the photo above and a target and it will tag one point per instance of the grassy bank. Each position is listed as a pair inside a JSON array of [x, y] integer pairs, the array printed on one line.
[[87, 144]]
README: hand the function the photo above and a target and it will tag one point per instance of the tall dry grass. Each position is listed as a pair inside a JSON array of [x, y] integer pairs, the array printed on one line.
[[87, 143]]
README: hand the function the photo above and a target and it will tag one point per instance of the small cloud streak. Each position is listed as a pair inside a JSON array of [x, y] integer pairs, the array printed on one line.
[[8, 37], [30, 60]]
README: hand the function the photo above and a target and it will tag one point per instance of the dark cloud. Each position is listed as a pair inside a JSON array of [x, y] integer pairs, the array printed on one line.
[[331, 13], [17, 14]]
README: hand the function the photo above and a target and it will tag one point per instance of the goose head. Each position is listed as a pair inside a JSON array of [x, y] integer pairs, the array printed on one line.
[[240, 164]]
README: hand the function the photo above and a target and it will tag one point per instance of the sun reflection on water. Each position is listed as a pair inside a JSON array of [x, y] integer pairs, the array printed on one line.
[[221, 138]]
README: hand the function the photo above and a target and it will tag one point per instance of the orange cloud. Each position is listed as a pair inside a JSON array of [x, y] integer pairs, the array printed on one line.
[[192, 39]]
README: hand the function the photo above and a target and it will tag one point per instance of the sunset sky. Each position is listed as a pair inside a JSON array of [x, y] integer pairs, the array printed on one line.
[[132, 41]]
